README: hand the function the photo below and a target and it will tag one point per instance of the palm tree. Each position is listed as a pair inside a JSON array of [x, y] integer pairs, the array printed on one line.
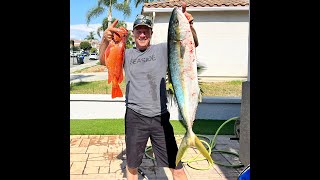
[[104, 5], [90, 37], [137, 2]]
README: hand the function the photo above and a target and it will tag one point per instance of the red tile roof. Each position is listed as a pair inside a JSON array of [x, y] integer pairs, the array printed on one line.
[[197, 3]]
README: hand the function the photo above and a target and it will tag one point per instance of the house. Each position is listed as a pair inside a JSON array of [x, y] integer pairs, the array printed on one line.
[[222, 27], [76, 42], [94, 43]]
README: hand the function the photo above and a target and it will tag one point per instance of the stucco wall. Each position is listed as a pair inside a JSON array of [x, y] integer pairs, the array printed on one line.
[[223, 40]]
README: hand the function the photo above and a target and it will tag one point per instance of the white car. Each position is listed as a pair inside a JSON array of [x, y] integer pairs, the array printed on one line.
[[93, 56], [73, 54]]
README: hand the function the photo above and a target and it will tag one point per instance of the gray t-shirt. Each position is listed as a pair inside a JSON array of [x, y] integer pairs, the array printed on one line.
[[145, 74]]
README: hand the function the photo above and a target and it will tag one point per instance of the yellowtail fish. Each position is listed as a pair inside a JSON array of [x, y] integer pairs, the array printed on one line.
[[184, 78]]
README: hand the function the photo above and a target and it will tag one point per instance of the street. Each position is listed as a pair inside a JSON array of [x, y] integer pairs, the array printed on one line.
[[73, 61]]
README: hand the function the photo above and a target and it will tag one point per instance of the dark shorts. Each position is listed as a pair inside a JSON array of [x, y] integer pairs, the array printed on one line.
[[139, 128]]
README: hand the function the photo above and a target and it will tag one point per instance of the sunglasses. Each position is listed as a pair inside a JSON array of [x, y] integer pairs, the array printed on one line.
[[143, 20]]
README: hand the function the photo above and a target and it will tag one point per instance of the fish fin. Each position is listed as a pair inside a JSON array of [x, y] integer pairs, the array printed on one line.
[[170, 91], [116, 91], [170, 94], [192, 140], [182, 149], [200, 68], [202, 149]]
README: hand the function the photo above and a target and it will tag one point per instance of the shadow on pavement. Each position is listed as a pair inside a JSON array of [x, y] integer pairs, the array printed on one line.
[[80, 76]]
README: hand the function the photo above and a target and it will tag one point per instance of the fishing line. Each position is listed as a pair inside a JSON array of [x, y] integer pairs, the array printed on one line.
[[210, 147]]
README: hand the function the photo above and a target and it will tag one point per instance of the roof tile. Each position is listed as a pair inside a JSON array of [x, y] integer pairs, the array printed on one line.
[[197, 3]]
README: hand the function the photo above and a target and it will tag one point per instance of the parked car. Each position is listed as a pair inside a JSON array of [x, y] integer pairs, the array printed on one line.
[[93, 56], [74, 54]]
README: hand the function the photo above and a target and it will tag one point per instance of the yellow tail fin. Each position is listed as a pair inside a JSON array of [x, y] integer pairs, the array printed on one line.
[[189, 140]]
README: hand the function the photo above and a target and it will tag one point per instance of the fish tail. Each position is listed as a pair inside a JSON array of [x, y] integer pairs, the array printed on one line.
[[190, 139], [116, 91], [202, 149]]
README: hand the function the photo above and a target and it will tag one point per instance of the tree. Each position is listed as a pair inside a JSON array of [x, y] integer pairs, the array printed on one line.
[[93, 50], [104, 5], [75, 48], [90, 36], [85, 45], [71, 44], [129, 41]]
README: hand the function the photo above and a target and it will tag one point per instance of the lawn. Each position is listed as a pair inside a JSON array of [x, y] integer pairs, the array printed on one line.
[[116, 127], [227, 88]]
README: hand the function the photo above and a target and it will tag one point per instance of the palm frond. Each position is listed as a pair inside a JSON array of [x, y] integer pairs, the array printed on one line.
[[94, 12], [106, 2], [101, 2], [123, 7], [99, 30], [200, 68]]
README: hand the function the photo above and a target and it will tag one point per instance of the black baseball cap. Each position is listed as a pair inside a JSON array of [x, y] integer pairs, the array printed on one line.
[[142, 20]]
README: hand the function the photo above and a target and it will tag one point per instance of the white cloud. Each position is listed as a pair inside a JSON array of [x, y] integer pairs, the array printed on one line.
[[81, 31]]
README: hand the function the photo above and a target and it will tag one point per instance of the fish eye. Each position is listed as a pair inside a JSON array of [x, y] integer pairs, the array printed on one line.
[[176, 22]]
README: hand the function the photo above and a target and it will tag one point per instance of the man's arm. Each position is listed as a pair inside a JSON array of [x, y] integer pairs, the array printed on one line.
[[106, 38], [190, 19], [195, 37], [103, 46]]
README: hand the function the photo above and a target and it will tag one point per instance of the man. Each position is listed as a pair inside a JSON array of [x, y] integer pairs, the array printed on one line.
[[146, 115]]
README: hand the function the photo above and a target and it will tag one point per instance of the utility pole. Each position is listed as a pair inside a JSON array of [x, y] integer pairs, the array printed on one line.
[[72, 48]]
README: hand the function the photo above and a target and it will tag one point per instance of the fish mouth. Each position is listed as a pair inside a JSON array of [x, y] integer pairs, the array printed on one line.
[[176, 19]]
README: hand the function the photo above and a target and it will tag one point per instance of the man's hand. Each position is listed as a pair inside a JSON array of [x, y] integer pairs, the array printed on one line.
[[188, 15], [108, 33], [190, 19]]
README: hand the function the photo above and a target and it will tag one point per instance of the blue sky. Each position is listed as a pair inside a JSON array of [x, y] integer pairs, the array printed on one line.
[[78, 10]]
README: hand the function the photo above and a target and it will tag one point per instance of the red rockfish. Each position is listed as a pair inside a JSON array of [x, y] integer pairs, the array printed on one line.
[[114, 57]]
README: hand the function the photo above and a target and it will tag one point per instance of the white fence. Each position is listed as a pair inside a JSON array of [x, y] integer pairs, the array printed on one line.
[[101, 106]]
